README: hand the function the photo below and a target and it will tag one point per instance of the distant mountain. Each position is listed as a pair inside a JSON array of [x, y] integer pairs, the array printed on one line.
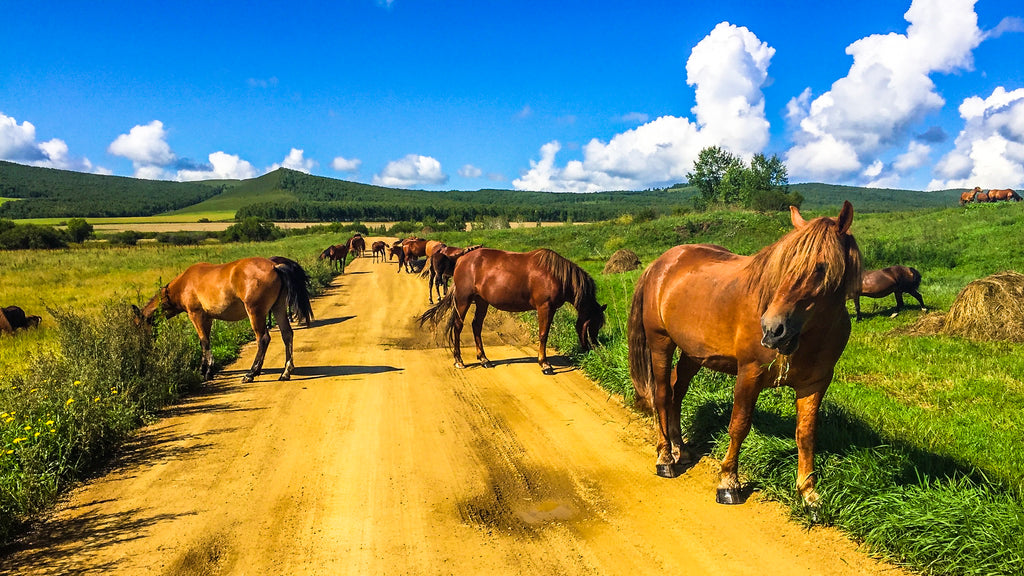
[[291, 195]]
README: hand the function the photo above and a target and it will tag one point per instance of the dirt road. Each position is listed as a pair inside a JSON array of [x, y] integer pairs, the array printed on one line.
[[380, 457]]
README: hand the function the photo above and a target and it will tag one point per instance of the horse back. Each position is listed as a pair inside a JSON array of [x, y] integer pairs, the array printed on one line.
[[225, 291], [509, 281]]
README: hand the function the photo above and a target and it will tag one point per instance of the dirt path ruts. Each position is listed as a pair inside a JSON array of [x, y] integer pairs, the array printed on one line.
[[379, 457]]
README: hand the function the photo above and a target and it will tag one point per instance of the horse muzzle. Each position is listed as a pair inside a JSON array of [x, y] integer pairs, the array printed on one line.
[[781, 334]]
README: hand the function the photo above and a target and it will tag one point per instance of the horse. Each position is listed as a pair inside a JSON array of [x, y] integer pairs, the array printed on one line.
[[337, 255], [775, 318], [418, 248], [356, 245], [540, 280], [892, 280], [982, 197], [969, 196], [1003, 195], [379, 249], [14, 318], [442, 266], [399, 251], [250, 287]]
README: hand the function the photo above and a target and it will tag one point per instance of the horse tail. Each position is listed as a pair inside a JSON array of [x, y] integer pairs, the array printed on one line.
[[434, 314], [296, 286], [641, 368]]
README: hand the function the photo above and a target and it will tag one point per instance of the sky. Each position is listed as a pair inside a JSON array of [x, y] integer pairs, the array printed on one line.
[[568, 96]]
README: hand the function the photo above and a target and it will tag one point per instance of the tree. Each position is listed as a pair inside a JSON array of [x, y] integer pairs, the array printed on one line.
[[78, 230], [709, 169]]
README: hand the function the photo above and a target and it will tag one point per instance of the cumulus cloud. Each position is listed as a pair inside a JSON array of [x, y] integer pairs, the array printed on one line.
[[470, 171], [410, 171], [727, 70], [295, 160], [342, 164], [989, 151], [18, 144], [886, 93], [146, 146], [222, 166]]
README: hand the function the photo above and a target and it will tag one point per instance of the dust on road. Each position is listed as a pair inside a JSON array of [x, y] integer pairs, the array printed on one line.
[[380, 457]]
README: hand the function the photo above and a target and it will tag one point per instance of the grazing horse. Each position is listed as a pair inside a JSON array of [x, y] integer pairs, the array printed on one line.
[[775, 318], [14, 318], [1003, 195], [247, 288], [337, 255], [379, 249], [969, 196], [442, 266], [540, 280], [892, 280], [356, 245]]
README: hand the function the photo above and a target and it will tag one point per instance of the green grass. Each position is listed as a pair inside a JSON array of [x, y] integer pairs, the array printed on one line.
[[238, 194]]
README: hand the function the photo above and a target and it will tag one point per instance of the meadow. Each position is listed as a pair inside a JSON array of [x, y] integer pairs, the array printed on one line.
[[919, 451]]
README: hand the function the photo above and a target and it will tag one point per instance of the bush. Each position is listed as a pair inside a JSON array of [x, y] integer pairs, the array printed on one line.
[[252, 229], [79, 230], [30, 236], [126, 238]]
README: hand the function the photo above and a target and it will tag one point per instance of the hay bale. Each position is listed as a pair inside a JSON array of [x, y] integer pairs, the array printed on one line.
[[990, 308], [621, 261]]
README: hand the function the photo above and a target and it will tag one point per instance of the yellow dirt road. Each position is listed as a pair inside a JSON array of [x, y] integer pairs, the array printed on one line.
[[380, 457]]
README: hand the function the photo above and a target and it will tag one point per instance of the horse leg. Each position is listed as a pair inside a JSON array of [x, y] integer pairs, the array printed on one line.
[[458, 321], [899, 302], [281, 315], [478, 324], [203, 324], [744, 397], [259, 328], [856, 307], [430, 286], [917, 295], [807, 404], [662, 403], [545, 314], [685, 371]]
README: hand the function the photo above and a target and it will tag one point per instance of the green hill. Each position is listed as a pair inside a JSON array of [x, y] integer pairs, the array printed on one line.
[[239, 193]]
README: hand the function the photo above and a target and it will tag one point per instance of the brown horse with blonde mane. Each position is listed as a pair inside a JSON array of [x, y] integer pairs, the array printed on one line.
[[775, 318], [247, 288], [540, 280]]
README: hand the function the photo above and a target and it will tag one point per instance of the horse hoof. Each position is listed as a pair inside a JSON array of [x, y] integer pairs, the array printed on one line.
[[246, 379], [285, 377], [666, 470], [549, 371], [460, 365], [813, 512], [728, 496], [487, 364]]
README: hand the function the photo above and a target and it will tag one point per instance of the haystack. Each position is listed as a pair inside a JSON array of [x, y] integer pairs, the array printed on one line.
[[990, 308], [621, 261]]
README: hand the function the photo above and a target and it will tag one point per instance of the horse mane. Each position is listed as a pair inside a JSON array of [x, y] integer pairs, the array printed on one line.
[[572, 278], [799, 253]]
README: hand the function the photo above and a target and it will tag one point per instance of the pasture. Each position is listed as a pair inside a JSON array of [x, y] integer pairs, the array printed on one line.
[[919, 449]]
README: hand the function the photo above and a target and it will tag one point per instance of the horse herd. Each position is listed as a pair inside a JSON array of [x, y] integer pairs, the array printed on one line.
[[977, 195], [775, 318]]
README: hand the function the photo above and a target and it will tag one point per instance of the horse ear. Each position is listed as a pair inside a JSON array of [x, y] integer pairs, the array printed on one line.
[[794, 215], [845, 217]]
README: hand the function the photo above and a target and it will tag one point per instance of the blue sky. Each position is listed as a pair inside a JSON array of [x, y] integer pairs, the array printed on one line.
[[563, 96]]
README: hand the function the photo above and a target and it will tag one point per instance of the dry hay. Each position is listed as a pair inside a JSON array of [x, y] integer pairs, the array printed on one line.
[[990, 308], [621, 261]]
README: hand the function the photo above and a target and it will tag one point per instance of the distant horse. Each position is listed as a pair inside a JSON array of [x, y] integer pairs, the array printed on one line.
[[356, 245], [247, 288], [775, 318], [892, 280], [418, 248], [969, 196], [540, 280], [14, 318], [1003, 195], [982, 197], [442, 266], [337, 255], [379, 249]]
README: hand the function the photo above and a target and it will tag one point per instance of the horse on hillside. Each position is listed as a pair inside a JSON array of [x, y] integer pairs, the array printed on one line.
[[775, 318], [442, 266], [1004, 194], [969, 196], [892, 280], [337, 255], [540, 280], [247, 288]]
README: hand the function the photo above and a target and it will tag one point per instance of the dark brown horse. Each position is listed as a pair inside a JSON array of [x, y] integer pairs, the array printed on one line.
[[14, 318], [356, 245], [337, 255], [398, 251], [896, 280], [775, 318], [540, 280], [442, 266], [247, 288], [379, 249], [1003, 195]]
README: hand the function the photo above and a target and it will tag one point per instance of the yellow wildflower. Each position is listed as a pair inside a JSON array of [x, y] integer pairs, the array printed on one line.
[[16, 440], [27, 428], [70, 400], [78, 382], [96, 399], [49, 422]]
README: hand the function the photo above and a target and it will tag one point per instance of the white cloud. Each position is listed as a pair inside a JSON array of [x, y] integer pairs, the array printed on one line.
[[886, 93], [470, 171], [18, 144], [144, 145], [223, 166], [916, 156], [295, 160], [727, 69], [989, 151], [410, 171], [342, 164]]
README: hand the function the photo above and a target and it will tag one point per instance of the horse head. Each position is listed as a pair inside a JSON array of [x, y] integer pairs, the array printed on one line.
[[588, 323], [815, 266], [162, 302]]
